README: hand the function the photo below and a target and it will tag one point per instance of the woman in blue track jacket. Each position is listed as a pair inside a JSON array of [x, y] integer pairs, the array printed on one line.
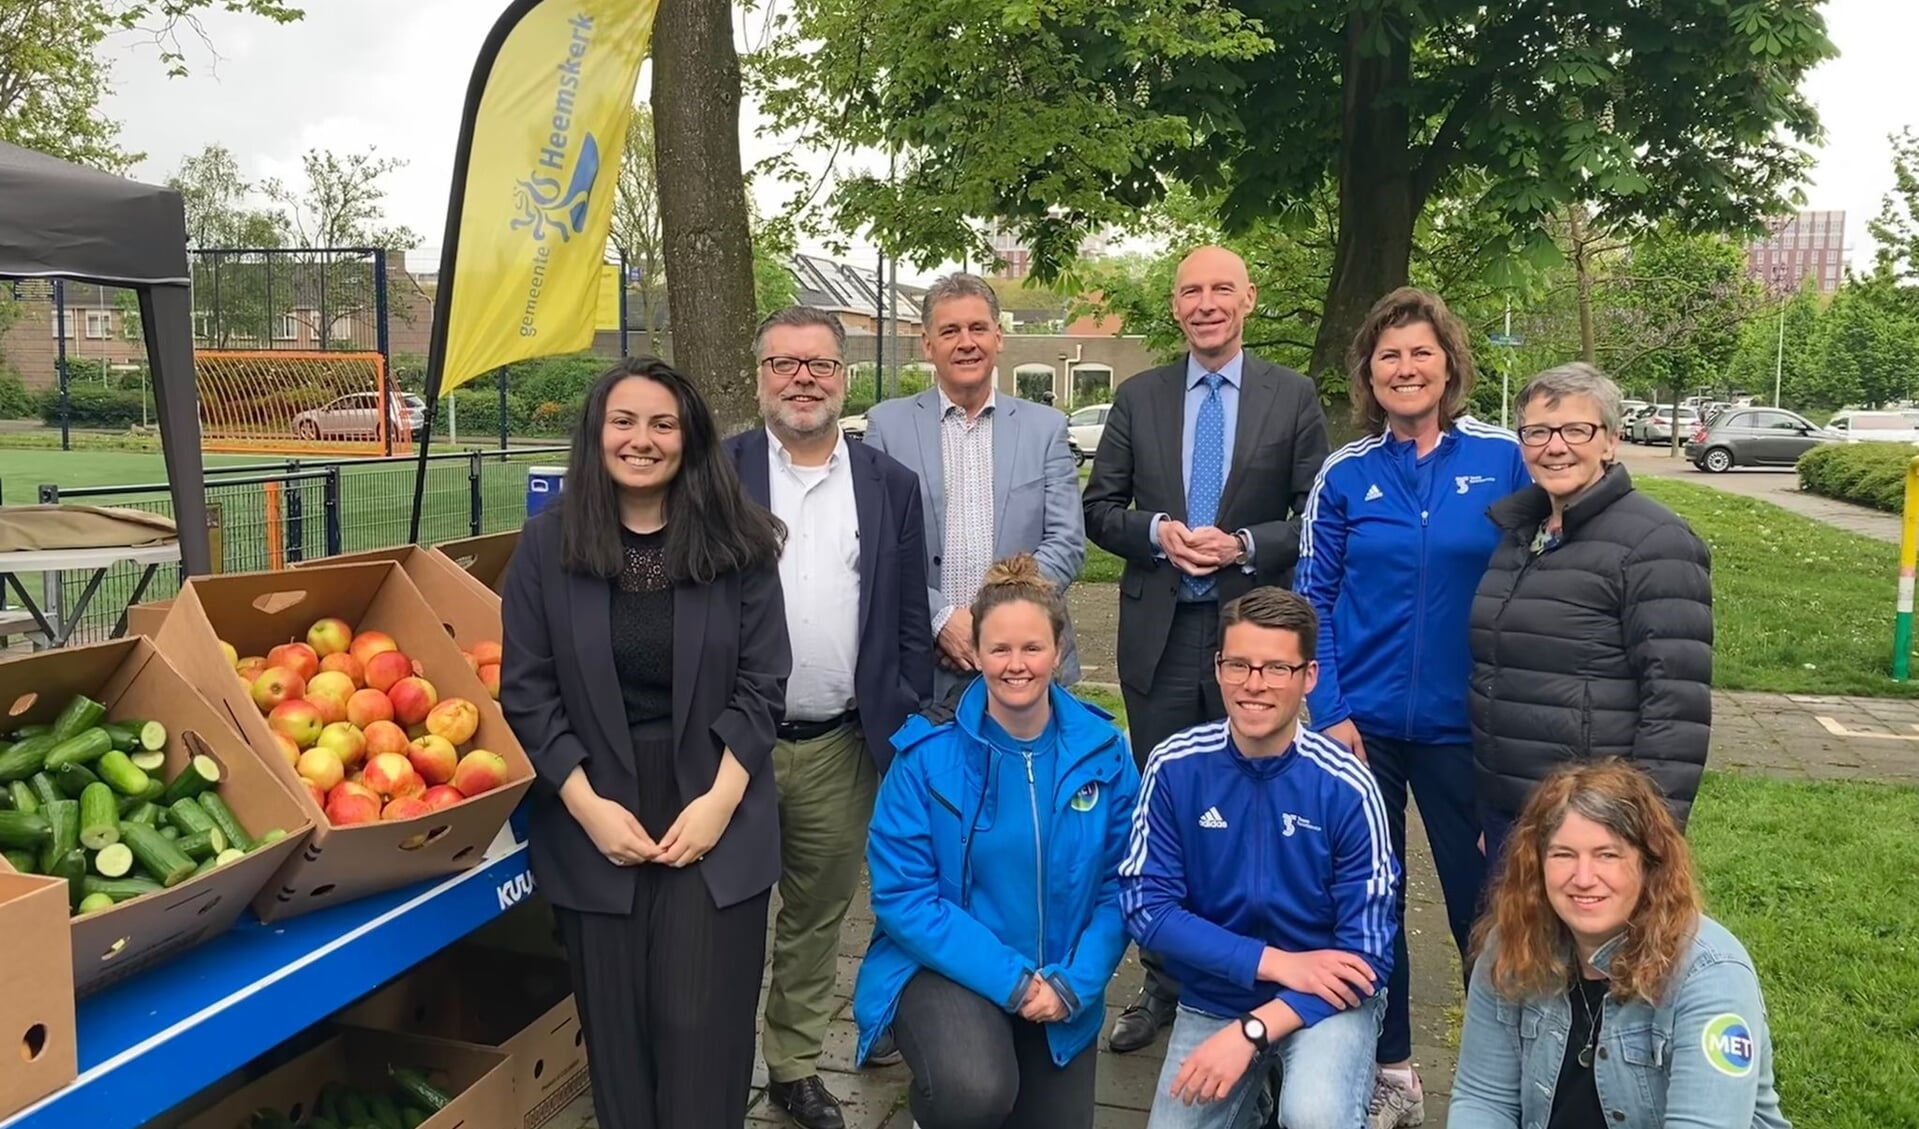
[[994, 853], [1394, 540]]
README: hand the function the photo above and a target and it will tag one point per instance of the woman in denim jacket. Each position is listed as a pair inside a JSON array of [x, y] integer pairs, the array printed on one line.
[[1602, 996]]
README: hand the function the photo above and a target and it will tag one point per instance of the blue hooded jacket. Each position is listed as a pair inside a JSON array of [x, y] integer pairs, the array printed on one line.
[[950, 797]]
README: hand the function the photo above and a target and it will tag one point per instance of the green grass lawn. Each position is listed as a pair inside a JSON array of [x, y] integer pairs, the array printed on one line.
[[1817, 880]]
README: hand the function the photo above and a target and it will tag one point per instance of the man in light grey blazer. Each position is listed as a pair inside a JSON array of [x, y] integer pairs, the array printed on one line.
[[996, 475]]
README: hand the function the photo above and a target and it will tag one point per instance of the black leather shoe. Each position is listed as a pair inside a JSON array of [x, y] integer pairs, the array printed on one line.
[[884, 1052], [1139, 1024], [808, 1102]]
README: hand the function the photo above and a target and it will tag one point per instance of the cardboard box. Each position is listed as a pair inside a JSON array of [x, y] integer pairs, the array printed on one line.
[[134, 679], [257, 611], [470, 612], [483, 558], [479, 1081], [511, 1002], [37, 1035]]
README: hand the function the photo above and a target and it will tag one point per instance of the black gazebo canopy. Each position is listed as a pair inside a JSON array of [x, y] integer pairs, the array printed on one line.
[[59, 220]]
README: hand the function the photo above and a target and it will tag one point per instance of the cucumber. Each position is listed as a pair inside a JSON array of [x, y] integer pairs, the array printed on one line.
[[267, 838], [84, 747], [24, 800], [144, 811], [165, 861], [114, 861], [328, 1105], [73, 779], [99, 818], [353, 1109], [44, 789], [231, 854], [23, 830], [33, 730], [63, 816], [417, 1089], [203, 845], [22, 862], [225, 820], [81, 714], [169, 832], [148, 761], [137, 736], [189, 817], [119, 889], [118, 769], [26, 757], [95, 902], [6, 799], [385, 1111], [412, 1117], [319, 1121], [71, 866], [201, 773]]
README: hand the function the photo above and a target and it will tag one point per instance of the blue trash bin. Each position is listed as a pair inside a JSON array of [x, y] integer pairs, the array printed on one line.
[[543, 486]]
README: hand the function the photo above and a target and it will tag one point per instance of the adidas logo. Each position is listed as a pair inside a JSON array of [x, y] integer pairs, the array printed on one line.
[[1212, 820], [1374, 493]]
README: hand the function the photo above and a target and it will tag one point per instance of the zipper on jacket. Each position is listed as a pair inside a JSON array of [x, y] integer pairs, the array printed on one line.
[[1039, 852], [1499, 631], [1419, 623]]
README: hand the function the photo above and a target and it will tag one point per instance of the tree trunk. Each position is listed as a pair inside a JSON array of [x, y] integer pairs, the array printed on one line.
[[1582, 273], [1378, 197], [703, 220]]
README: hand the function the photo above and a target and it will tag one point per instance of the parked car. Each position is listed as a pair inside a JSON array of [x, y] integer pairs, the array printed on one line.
[[854, 427], [1086, 426], [1657, 425], [1754, 437], [357, 416], [1875, 427]]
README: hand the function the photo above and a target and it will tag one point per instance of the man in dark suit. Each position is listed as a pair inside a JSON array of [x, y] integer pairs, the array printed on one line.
[[1198, 484], [854, 573]]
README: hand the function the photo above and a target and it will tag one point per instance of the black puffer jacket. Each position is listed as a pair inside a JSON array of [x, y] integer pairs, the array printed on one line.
[[1600, 646]]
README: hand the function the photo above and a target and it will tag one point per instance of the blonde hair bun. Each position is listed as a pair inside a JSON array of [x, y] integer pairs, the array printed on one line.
[[1020, 571]]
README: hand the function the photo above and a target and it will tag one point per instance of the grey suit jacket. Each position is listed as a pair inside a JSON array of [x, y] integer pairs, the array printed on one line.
[[1278, 444], [1036, 506]]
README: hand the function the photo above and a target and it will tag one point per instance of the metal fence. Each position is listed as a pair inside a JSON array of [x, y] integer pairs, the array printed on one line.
[[270, 515]]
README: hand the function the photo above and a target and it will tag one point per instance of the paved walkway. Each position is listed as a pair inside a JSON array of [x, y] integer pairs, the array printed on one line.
[[1780, 487]]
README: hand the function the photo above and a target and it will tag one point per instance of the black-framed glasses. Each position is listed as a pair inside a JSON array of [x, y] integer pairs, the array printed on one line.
[[1234, 672], [1539, 434], [820, 367]]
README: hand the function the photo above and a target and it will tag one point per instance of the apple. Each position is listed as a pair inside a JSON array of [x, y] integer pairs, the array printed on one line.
[[434, 758], [297, 721], [317, 793], [441, 796], [297, 657], [490, 678], [288, 749], [415, 732], [343, 809], [472, 663], [322, 767], [413, 698], [276, 686], [331, 684], [232, 656], [386, 668], [479, 771], [346, 740], [385, 737], [410, 785], [329, 709], [368, 706], [455, 719], [405, 807], [350, 786], [387, 773], [330, 636], [486, 652], [345, 664], [251, 667], [369, 643]]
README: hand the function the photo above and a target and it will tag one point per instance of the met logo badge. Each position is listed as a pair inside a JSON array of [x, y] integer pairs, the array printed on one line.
[[1086, 798], [1727, 1042]]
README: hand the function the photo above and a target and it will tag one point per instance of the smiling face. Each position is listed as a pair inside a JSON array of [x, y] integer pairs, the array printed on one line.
[[1265, 706], [1017, 654], [1212, 295], [641, 435], [1563, 468], [1593, 880], [962, 340], [804, 404], [1409, 374]]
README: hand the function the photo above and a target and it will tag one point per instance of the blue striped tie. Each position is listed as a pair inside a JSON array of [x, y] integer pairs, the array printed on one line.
[[1209, 475]]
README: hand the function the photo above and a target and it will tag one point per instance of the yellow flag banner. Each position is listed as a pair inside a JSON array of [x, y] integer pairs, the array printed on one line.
[[523, 268]]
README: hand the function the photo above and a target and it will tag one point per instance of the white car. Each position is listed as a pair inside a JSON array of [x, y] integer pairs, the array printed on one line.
[[1875, 427], [853, 426], [1085, 427]]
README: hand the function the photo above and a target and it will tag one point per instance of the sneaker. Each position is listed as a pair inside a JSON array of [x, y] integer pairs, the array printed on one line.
[[1395, 1105]]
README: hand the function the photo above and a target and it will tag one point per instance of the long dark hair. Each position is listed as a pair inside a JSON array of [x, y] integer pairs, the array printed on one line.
[[712, 527]]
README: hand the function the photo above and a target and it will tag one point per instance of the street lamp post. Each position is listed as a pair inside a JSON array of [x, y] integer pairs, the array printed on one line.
[[1779, 356]]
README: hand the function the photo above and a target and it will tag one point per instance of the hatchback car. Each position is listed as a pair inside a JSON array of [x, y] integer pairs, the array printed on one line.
[[1085, 427], [357, 416], [1657, 426], [1753, 437]]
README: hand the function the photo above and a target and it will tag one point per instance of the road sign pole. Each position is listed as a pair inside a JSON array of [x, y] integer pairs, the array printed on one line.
[[1908, 557]]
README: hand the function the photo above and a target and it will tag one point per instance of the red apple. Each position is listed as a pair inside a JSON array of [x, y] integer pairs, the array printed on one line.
[[321, 767], [288, 749], [472, 663], [385, 737], [486, 652], [455, 719], [351, 786], [413, 698], [387, 773], [317, 793], [405, 807], [368, 706], [345, 664], [346, 740], [297, 721], [434, 758], [343, 809], [386, 668], [441, 796], [276, 685], [479, 771], [232, 656], [297, 657], [330, 636], [330, 709], [331, 684], [369, 643], [490, 678], [251, 667]]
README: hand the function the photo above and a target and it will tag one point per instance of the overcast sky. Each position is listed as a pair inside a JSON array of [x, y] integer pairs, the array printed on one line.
[[392, 74]]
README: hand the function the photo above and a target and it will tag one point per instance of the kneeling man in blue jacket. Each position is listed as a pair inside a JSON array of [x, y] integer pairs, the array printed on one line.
[[1259, 868]]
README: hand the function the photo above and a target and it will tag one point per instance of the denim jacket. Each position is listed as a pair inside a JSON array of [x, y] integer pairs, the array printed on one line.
[[1702, 1058]]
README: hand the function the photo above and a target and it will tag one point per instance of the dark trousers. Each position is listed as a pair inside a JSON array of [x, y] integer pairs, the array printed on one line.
[[1497, 825], [1440, 778], [976, 1067], [667, 996], [1184, 694]]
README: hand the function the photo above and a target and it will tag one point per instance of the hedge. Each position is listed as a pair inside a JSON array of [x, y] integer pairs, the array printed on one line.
[[93, 407], [1865, 474]]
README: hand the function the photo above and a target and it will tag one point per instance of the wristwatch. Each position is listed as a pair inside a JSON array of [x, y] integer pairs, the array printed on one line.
[[1254, 1029], [1245, 549]]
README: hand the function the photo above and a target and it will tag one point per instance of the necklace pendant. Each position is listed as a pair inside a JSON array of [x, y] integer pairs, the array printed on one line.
[[1586, 1056]]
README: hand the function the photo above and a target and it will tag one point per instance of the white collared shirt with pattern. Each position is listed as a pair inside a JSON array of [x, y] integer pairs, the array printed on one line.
[[966, 458]]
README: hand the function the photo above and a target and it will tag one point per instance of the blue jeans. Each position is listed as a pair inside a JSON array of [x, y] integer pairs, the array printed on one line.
[[1329, 1074]]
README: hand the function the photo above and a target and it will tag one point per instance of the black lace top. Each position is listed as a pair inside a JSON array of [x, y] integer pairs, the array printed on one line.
[[643, 628]]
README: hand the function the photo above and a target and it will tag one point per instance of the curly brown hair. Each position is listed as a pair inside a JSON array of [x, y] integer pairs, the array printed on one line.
[[1534, 954], [1405, 306]]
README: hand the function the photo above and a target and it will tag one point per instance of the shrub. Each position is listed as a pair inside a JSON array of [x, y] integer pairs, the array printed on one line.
[[1866, 474], [92, 407], [15, 401]]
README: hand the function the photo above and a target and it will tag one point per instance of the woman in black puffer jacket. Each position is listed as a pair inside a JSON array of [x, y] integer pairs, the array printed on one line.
[[1592, 628]]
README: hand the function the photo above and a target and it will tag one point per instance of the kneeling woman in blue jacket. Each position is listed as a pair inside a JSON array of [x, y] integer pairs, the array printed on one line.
[[994, 853]]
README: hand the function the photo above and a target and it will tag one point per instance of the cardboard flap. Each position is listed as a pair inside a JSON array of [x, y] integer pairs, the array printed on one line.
[[483, 558], [38, 1044]]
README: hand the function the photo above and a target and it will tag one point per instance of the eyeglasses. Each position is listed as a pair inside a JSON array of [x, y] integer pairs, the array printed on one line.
[[1234, 672], [1538, 434], [821, 367]]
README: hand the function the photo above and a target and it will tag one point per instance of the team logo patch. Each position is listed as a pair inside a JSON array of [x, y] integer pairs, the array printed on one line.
[[1086, 798], [1727, 1042]]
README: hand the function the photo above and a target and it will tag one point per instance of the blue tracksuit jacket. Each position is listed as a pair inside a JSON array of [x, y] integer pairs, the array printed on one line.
[[1230, 854], [1391, 549]]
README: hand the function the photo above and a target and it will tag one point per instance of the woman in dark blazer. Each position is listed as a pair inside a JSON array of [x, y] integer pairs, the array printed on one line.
[[645, 668]]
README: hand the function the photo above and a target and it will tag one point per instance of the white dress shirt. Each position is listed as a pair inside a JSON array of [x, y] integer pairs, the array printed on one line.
[[966, 457], [820, 572]]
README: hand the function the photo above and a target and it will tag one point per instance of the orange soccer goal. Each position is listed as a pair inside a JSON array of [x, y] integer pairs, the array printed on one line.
[[275, 401]]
